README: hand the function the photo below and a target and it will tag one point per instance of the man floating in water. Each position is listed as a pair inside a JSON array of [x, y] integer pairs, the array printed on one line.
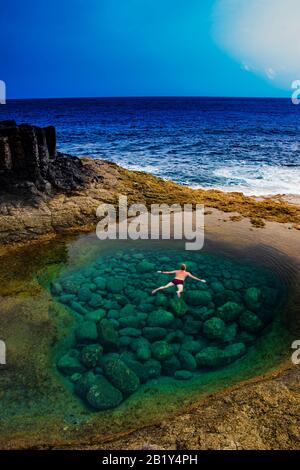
[[180, 276]]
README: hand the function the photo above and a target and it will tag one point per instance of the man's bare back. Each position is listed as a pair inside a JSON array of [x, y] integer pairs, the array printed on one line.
[[180, 276]]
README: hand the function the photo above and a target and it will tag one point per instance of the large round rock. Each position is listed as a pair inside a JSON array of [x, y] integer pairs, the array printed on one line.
[[250, 322], [103, 396], [121, 376], [214, 328], [160, 318], [161, 350], [211, 357], [115, 285], [108, 336], [87, 332], [91, 354], [199, 298], [230, 311]]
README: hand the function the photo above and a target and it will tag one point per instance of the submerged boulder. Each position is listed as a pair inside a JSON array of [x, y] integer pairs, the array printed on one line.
[[108, 336], [193, 346], [160, 318], [84, 384], [170, 365], [178, 307], [91, 354], [161, 350], [187, 360], [234, 351], [199, 298], [253, 298], [115, 285], [183, 375], [145, 267], [211, 357], [69, 365], [214, 328], [87, 332], [154, 333], [250, 322], [121, 376], [229, 311], [153, 368], [103, 395]]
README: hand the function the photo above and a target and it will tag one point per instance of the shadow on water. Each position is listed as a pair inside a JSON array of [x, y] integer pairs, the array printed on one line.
[[46, 397]]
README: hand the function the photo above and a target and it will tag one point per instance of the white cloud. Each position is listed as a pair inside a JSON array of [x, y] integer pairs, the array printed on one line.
[[264, 35]]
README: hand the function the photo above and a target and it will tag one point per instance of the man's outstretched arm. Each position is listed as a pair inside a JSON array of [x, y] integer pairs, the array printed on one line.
[[196, 278], [166, 272]]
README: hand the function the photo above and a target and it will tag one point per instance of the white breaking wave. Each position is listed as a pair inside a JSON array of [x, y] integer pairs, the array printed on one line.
[[255, 180]]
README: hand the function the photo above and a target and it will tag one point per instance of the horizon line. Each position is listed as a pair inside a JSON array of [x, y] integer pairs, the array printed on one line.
[[148, 97]]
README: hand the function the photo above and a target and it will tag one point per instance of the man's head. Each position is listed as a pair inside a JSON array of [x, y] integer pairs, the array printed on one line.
[[183, 267]]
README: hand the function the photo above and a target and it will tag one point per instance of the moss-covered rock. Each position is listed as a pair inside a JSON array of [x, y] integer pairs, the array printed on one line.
[[234, 351], [134, 332], [161, 350], [187, 360], [96, 315], [178, 307], [84, 294], [153, 368], [214, 328], [103, 396], [183, 375], [115, 285], [198, 298], [210, 357], [145, 267], [217, 286], [230, 311], [78, 308], [160, 318], [230, 333], [69, 365], [108, 335], [154, 333], [250, 322], [134, 321], [193, 346], [87, 332], [121, 376], [253, 298], [95, 301], [85, 382], [91, 354], [170, 365], [100, 282]]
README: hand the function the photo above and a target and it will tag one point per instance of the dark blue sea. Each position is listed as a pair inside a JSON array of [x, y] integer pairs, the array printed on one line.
[[248, 145]]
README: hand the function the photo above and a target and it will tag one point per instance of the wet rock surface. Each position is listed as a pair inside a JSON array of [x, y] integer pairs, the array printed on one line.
[[126, 337]]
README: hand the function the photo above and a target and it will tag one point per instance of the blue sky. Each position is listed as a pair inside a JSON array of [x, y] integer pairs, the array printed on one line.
[[73, 48]]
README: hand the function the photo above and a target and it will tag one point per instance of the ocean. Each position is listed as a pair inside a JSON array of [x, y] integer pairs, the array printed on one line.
[[233, 144]]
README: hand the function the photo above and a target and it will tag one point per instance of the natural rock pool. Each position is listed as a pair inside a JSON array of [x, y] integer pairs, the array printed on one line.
[[91, 353], [124, 337]]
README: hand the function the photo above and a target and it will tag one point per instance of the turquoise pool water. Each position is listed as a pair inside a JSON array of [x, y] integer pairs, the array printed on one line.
[[124, 337]]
